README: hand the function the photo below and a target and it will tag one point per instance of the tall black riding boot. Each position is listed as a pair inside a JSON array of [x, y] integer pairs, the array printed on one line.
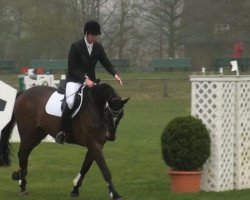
[[65, 124]]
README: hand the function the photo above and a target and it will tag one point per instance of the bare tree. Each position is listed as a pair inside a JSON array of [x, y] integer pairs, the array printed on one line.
[[166, 16], [83, 10], [121, 21], [6, 28]]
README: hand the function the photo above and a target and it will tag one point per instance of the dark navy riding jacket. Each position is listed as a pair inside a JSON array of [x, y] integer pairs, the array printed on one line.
[[80, 63]]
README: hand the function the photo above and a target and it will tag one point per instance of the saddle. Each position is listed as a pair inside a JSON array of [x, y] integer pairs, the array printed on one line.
[[57, 101]]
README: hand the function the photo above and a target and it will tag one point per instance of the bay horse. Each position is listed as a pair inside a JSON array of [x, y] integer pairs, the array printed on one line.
[[95, 124]]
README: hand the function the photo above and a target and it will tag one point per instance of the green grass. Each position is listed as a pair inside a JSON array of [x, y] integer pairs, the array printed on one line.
[[134, 158]]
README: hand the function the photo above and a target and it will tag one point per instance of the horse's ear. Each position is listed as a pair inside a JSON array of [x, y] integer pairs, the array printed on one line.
[[124, 101], [115, 99]]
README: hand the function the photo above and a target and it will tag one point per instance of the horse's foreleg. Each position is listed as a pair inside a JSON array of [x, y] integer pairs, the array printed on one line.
[[77, 182], [100, 160]]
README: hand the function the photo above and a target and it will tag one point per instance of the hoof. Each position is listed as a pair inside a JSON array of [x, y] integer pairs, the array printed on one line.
[[15, 176], [73, 194], [118, 198], [60, 137], [24, 193]]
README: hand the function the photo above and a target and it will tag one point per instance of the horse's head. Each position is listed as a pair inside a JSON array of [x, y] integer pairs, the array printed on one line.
[[111, 105], [113, 113]]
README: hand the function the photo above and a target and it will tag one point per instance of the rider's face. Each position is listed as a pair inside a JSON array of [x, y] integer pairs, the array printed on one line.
[[92, 38]]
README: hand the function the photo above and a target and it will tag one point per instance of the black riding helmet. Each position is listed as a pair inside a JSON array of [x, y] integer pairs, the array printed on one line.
[[92, 27]]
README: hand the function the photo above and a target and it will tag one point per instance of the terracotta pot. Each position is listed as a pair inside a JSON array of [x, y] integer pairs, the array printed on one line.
[[185, 181]]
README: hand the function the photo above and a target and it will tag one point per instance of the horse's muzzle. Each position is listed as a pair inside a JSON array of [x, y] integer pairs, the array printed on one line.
[[110, 136]]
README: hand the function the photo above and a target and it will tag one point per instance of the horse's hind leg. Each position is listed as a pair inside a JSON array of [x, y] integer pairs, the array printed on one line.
[[85, 168], [23, 155], [26, 146]]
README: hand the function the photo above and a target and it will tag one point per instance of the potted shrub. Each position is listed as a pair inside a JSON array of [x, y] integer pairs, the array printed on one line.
[[185, 148]]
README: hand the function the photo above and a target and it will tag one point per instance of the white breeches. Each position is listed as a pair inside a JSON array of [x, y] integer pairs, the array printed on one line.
[[71, 89]]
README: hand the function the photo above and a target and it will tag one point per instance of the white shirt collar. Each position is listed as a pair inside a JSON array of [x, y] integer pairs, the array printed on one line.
[[88, 45]]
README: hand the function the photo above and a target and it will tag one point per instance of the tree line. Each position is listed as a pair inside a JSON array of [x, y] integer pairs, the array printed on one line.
[[136, 29]]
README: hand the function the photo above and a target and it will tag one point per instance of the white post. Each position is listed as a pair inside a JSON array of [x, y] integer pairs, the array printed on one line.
[[242, 134], [221, 71], [235, 67], [203, 71]]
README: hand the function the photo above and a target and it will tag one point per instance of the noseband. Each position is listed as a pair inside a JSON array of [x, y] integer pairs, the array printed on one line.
[[114, 113]]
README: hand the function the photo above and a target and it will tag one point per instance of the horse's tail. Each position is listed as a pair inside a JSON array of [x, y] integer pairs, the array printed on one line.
[[5, 150]]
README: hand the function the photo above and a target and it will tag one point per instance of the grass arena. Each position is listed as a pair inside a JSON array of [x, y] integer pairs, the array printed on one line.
[[134, 158]]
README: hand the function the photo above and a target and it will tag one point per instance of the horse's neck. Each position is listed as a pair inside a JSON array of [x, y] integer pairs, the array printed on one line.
[[101, 95], [99, 101]]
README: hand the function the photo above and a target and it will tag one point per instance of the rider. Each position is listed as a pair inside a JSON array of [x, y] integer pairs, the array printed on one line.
[[83, 56]]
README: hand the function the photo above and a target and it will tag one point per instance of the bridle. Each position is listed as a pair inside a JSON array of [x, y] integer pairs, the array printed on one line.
[[114, 113]]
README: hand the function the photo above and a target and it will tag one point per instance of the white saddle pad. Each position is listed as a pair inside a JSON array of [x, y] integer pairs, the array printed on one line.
[[53, 106]]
